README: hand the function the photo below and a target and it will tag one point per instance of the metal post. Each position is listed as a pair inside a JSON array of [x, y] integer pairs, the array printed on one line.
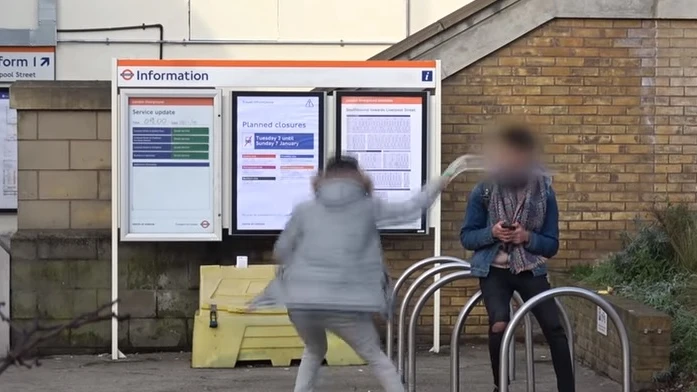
[[511, 351], [529, 347], [411, 365], [568, 328], [401, 326], [455, 341], [573, 292], [398, 285]]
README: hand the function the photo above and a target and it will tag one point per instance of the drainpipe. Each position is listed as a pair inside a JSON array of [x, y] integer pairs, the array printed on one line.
[[143, 26], [226, 42], [407, 22]]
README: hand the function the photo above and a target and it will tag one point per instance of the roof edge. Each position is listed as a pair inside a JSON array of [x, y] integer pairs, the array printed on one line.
[[395, 51], [471, 33]]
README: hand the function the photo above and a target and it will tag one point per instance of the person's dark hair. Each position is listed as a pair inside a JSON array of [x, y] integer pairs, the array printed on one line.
[[342, 164], [518, 137]]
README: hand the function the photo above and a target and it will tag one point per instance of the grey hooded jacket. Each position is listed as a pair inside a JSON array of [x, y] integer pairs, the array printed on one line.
[[330, 251]]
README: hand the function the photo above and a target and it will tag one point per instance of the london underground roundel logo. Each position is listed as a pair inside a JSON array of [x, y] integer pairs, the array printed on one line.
[[205, 224], [127, 74]]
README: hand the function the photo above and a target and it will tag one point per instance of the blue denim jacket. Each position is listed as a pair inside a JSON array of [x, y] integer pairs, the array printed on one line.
[[476, 235]]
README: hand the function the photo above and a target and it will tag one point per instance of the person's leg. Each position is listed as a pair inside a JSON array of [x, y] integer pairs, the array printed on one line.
[[496, 294], [311, 330], [547, 314], [358, 331]]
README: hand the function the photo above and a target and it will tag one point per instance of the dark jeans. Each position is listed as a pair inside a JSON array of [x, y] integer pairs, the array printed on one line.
[[497, 291]]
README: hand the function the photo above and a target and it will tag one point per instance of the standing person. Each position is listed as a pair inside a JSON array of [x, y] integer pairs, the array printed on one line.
[[332, 275], [512, 225]]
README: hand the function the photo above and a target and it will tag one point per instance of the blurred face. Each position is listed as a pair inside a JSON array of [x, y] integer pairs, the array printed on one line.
[[510, 159], [509, 164], [358, 176]]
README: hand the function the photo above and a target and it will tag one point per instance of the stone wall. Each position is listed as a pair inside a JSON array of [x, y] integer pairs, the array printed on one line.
[[61, 251], [649, 335]]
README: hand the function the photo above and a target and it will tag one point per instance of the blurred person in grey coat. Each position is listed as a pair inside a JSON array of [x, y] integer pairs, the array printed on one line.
[[331, 274]]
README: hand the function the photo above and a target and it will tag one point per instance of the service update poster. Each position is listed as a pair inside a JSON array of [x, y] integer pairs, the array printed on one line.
[[171, 165], [278, 151]]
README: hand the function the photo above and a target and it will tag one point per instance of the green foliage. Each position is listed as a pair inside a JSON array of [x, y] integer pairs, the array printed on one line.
[[658, 267], [680, 227]]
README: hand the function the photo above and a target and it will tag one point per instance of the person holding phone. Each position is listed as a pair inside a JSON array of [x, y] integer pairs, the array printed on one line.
[[512, 225]]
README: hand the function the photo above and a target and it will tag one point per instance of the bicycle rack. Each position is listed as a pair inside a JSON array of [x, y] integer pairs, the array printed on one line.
[[529, 349], [407, 299], [437, 285], [572, 292], [398, 285]]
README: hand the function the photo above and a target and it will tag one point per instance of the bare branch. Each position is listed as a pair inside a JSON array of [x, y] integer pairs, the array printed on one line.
[[25, 352]]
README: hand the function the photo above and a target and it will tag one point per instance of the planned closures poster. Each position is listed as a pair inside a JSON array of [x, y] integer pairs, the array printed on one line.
[[386, 132], [277, 144], [171, 176], [8, 152]]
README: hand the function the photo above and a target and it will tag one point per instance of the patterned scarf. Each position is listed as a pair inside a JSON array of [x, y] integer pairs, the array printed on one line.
[[526, 206]]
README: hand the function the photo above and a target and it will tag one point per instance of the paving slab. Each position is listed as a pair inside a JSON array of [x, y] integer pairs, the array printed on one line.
[[171, 372]]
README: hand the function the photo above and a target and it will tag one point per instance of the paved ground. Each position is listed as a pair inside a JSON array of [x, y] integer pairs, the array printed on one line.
[[172, 373]]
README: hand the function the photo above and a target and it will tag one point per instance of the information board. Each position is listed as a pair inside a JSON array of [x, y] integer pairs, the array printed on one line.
[[277, 148], [386, 132], [172, 174], [8, 153]]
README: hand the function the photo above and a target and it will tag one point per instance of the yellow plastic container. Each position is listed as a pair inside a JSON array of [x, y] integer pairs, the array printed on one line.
[[225, 333]]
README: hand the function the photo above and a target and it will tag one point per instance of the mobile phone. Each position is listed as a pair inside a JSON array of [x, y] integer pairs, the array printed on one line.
[[508, 226]]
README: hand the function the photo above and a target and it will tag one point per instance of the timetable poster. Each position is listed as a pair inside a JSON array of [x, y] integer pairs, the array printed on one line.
[[386, 132], [8, 153], [171, 172], [277, 149]]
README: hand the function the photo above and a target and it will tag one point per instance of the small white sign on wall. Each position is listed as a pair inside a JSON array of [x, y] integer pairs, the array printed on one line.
[[602, 321], [242, 261]]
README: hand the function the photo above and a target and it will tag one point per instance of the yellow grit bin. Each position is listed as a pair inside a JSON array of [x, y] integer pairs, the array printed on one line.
[[224, 333]]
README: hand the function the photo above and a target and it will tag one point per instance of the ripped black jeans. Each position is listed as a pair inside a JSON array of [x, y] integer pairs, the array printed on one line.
[[497, 291]]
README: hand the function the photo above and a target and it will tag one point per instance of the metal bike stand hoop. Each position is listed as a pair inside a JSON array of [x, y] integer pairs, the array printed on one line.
[[455, 342], [573, 292], [529, 349], [401, 325], [411, 362], [398, 285]]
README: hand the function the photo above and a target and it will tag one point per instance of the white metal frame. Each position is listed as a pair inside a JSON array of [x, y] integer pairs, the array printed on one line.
[[436, 163], [229, 75]]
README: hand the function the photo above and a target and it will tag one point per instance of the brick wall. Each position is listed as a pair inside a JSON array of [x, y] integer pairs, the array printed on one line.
[[649, 336], [615, 102]]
